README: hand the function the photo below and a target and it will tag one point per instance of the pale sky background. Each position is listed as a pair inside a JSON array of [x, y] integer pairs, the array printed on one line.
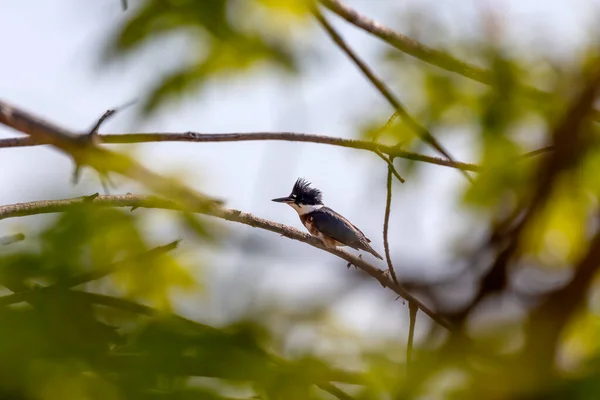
[[49, 67]]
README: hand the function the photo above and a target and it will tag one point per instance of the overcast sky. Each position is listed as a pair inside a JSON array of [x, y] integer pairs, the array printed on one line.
[[49, 67]]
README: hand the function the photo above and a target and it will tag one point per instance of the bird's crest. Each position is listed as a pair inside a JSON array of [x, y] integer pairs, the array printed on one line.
[[304, 194]]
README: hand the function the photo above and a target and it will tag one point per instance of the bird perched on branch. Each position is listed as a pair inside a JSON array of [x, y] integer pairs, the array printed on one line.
[[322, 222]]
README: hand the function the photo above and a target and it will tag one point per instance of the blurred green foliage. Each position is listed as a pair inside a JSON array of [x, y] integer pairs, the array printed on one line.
[[226, 38], [116, 336]]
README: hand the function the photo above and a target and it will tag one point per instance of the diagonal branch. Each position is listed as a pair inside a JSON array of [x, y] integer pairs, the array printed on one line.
[[85, 277], [425, 53], [419, 129], [409, 45], [185, 364], [141, 201], [570, 137], [83, 151], [547, 322]]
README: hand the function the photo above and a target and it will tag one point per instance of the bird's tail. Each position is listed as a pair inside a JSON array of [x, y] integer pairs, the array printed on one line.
[[372, 251]]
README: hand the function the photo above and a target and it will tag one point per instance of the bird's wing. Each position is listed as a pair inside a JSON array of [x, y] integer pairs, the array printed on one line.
[[337, 227]]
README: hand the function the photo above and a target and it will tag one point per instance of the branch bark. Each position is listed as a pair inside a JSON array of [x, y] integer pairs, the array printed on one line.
[[197, 137], [142, 201]]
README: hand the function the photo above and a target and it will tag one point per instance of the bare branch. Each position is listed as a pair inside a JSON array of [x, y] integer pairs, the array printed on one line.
[[420, 130], [386, 225], [390, 164], [102, 160], [196, 137], [141, 201], [425, 53], [109, 113], [385, 127]]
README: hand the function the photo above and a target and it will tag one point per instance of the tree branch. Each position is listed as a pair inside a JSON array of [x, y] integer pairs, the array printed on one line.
[[425, 53], [412, 315], [386, 225], [547, 322], [84, 151], [569, 139], [419, 130], [196, 137], [86, 276], [389, 161], [409, 45], [141, 201]]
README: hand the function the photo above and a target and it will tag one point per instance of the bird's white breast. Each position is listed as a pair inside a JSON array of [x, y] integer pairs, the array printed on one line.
[[302, 209]]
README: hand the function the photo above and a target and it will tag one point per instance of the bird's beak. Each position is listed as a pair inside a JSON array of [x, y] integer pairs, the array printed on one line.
[[283, 200]]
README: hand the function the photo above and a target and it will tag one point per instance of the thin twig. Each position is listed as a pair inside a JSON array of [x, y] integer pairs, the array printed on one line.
[[97, 157], [107, 114], [425, 53], [390, 164], [91, 139], [412, 314], [130, 200], [385, 127], [386, 225], [420, 130], [104, 117]]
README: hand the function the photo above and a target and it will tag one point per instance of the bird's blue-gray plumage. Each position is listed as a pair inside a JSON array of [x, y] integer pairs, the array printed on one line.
[[334, 225], [332, 228]]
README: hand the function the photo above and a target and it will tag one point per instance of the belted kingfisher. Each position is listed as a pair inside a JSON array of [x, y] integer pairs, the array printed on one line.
[[322, 222]]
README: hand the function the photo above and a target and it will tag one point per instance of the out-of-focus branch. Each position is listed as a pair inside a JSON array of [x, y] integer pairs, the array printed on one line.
[[412, 318], [569, 138], [419, 129], [141, 201], [187, 366], [84, 151], [425, 53], [197, 137], [546, 323], [85, 277]]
